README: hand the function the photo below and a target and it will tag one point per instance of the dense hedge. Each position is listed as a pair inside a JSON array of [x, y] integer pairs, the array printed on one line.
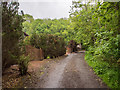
[[51, 45]]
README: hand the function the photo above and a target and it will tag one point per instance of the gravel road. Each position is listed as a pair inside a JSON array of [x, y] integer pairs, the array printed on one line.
[[70, 72]]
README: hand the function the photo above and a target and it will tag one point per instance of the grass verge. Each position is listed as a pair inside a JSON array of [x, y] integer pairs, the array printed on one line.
[[109, 74]]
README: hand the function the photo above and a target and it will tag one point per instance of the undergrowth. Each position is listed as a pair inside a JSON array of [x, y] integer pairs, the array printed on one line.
[[108, 73]]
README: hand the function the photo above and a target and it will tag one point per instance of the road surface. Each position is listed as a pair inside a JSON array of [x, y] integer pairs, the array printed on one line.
[[71, 72]]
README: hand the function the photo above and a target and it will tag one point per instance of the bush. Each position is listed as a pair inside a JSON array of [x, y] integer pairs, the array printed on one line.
[[109, 74], [23, 64], [52, 45]]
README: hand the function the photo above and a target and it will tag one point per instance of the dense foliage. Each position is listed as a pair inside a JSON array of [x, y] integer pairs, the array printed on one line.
[[11, 33], [97, 27], [12, 37], [51, 45], [23, 64], [60, 27]]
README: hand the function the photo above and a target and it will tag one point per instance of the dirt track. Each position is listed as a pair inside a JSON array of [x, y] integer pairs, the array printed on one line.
[[70, 72]]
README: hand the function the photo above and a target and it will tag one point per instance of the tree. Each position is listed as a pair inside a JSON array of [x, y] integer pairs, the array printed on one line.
[[11, 33], [97, 27]]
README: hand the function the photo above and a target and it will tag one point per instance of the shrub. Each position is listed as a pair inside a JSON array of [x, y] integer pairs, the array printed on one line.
[[109, 74], [51, 45], [23, 64]]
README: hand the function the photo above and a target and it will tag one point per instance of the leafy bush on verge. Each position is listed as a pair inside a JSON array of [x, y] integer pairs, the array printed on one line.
[[23, 64], [52, 45]]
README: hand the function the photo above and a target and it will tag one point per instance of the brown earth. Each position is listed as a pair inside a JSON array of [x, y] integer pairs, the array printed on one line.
[[36, 70]]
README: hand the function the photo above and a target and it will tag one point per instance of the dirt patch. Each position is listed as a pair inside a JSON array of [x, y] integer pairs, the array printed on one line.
[[36, 70], [63, 72], [12, 79]]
